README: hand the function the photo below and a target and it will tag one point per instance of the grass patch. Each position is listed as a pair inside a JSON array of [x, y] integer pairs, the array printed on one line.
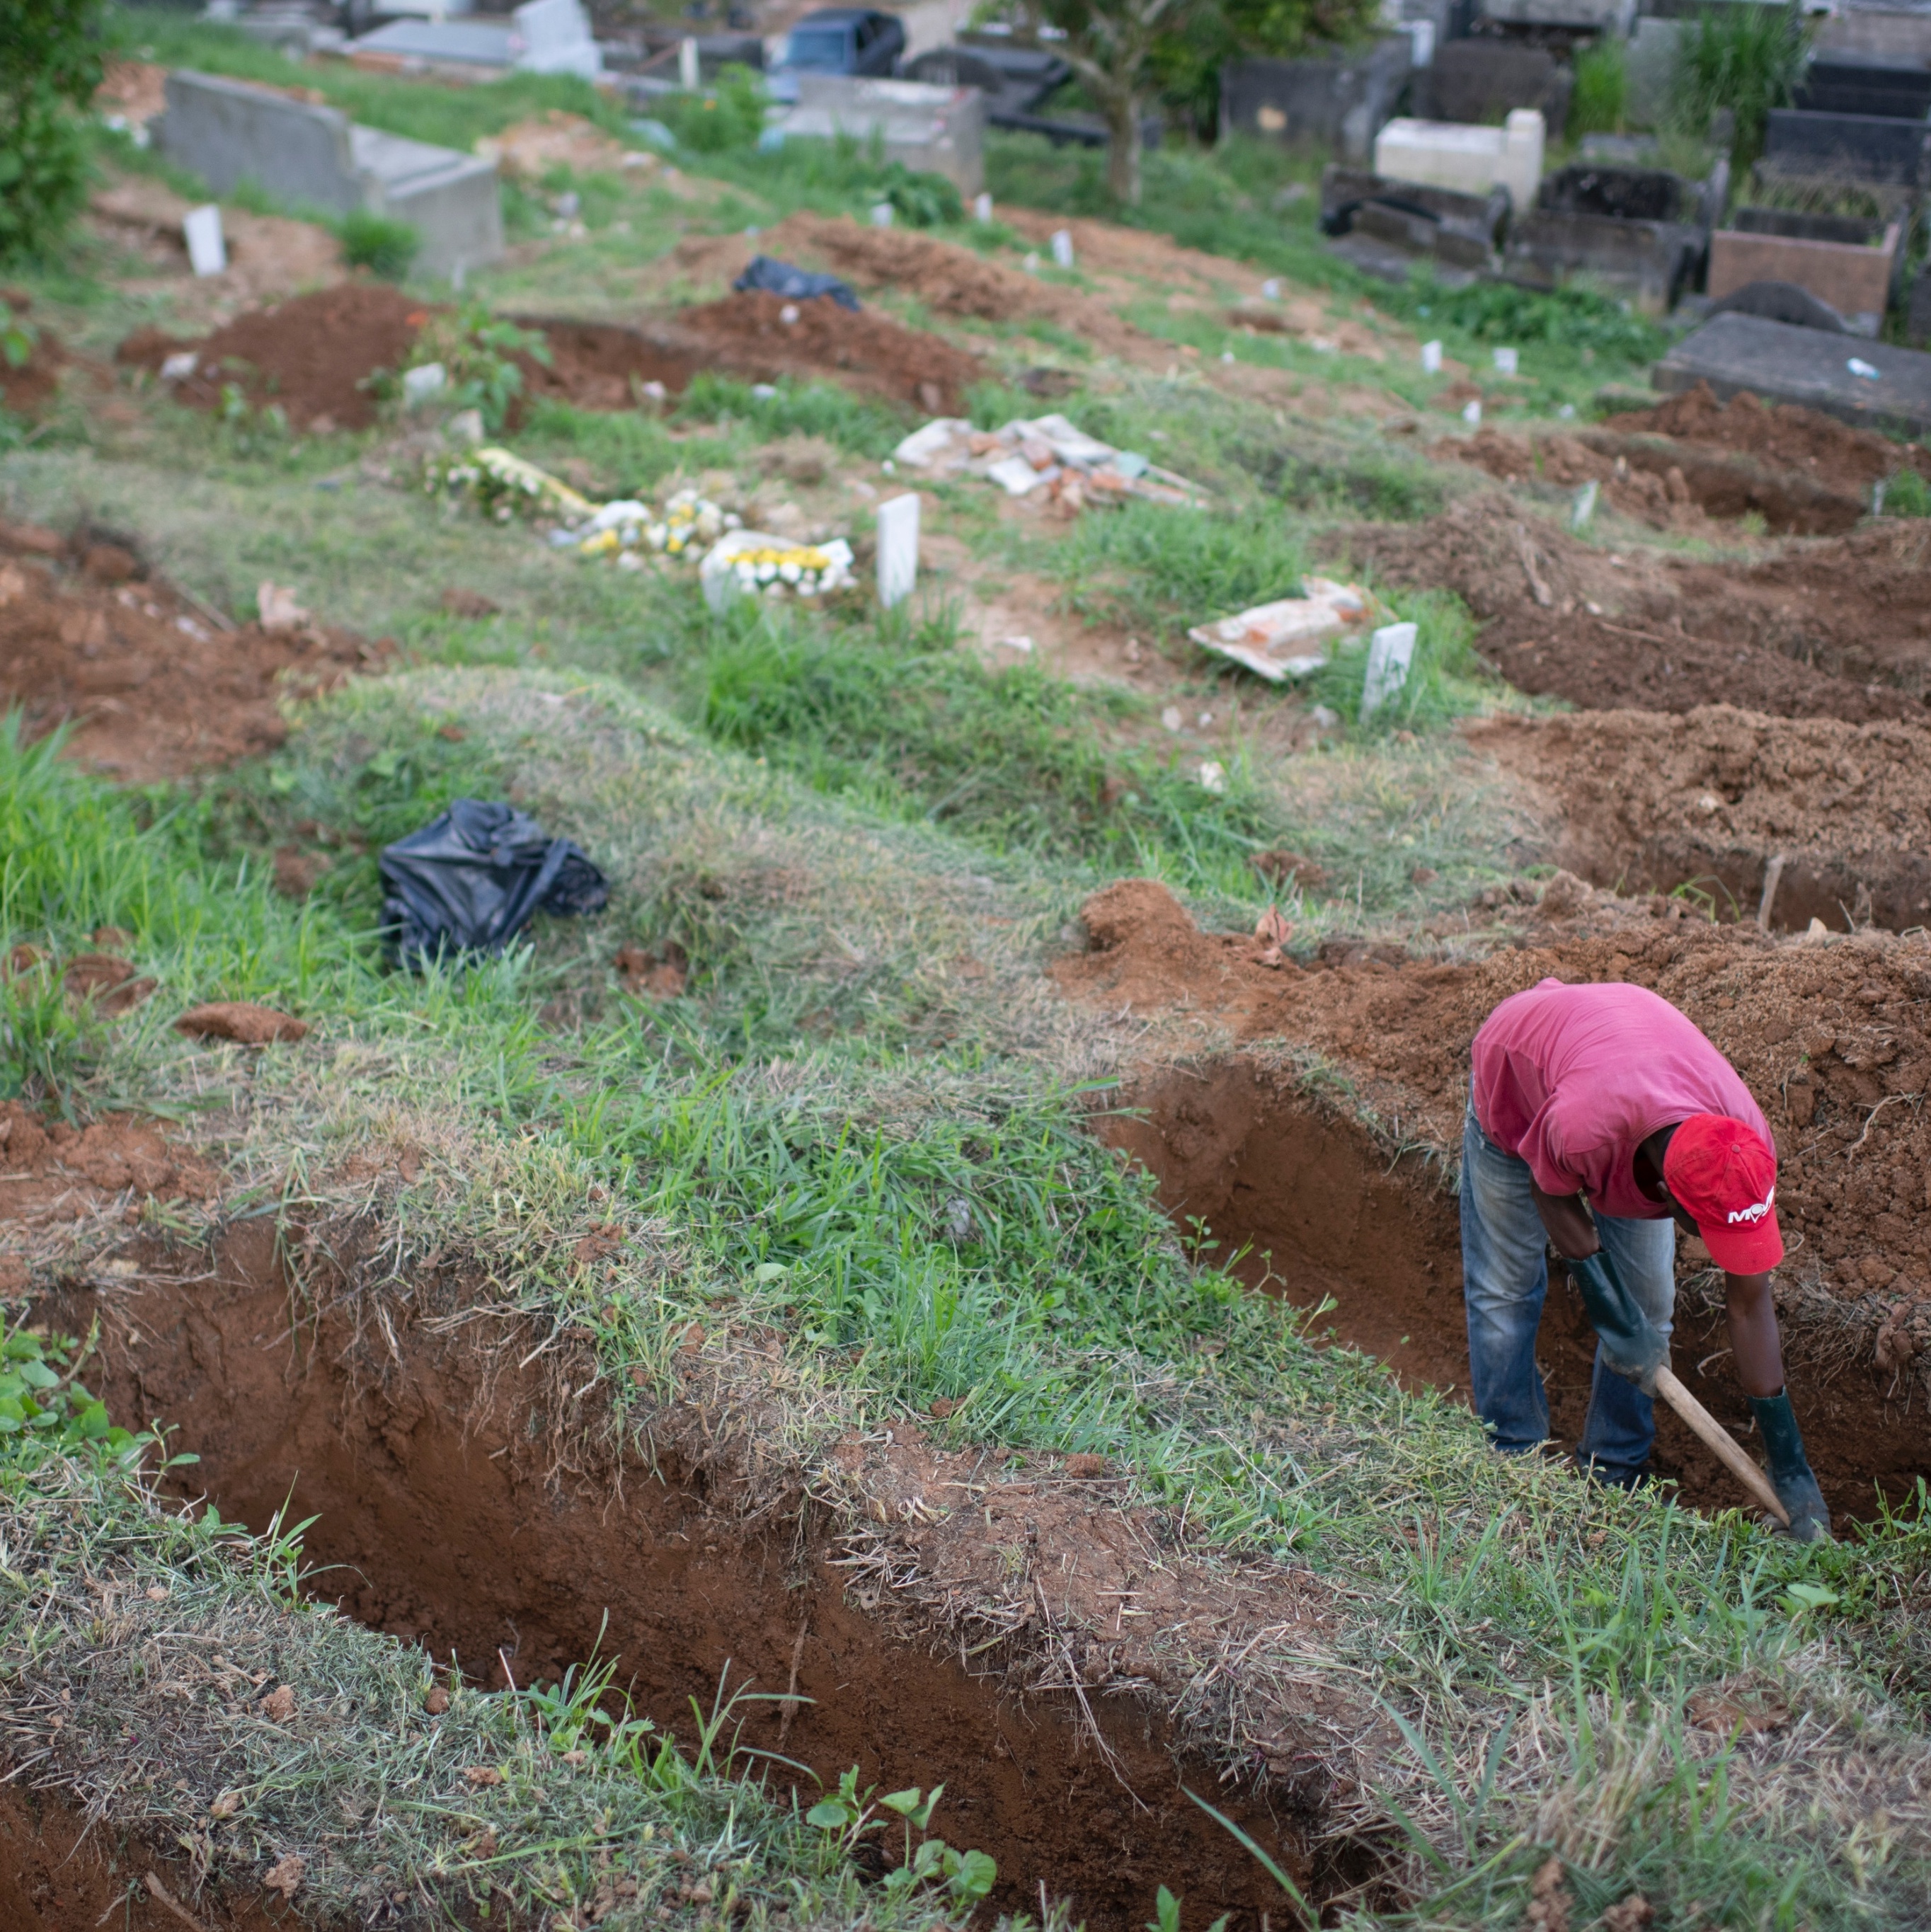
[[1016, 760]]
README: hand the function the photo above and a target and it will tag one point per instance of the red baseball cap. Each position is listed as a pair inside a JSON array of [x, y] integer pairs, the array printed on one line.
[[1725, 1179]]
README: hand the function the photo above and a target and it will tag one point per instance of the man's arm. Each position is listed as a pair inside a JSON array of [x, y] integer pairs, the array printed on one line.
[[1566, 1220], [1753, 1335]]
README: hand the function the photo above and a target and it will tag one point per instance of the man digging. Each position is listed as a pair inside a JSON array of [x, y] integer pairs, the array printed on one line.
[[1599, 1117]]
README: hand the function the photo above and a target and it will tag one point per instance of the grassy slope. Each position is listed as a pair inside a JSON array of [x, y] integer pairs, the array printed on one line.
[[1565, 1634]]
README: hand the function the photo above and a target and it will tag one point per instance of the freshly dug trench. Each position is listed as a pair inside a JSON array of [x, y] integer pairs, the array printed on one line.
[[442, 1521], [1323, 1214], [59, 1872], [1714, 799]]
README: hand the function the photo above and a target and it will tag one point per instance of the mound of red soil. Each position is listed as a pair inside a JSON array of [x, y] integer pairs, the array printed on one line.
[[1831, 453], [151, 685], [26, 390], [54, 1170], [604, 365], [865, 350], [313, 356], [1691, 458], [1715, 797], [1836, 629], [309, 355]]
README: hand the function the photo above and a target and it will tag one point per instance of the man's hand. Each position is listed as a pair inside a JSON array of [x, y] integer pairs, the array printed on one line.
[[1631, 1345], [1790, 1469], [1566, 1219]]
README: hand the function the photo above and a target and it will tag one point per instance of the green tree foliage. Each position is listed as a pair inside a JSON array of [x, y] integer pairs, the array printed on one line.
[[49, 66], [1186, 68]]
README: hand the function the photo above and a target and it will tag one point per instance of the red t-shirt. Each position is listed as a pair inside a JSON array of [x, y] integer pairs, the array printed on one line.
[[1572, 1079]]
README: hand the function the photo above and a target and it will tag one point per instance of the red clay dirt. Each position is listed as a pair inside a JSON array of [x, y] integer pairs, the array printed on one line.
[[27, 389], [61, 1873], [1691, 458], [1711, 798], [53, 1172], [308, 356], [150, 684], [866, 350], [1837, 627], [1827, 1036], [1784, 435], [446, 1516], [312, 356]]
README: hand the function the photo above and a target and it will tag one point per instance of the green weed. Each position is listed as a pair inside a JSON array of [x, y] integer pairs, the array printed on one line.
[[1600, 98], [1747, 59], [1907, 494], [378, 243], [43, 1405], [1014, 760]]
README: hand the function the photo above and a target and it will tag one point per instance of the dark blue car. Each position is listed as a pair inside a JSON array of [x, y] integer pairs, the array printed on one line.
[[839, 40]]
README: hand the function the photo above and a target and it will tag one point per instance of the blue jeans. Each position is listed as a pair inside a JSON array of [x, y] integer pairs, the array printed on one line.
[[1505, 1277]]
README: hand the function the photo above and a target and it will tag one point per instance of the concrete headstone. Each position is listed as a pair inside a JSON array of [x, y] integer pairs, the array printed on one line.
[[898, 548]]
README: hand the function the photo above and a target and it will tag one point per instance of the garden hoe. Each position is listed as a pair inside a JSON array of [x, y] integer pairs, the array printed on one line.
[[1632, 1347]]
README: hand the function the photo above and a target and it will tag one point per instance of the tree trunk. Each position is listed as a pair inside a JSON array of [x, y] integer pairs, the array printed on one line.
[[1122, 109]]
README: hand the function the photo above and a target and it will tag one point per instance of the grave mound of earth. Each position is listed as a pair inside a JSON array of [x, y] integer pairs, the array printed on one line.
[[314, 356], [150, 684], [1838, 628]]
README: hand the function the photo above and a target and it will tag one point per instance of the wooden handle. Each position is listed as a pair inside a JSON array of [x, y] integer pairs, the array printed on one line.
[[1720, 1439]]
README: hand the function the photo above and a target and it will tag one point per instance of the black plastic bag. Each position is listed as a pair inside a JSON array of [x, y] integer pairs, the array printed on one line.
[[471, 880], [794, 284]]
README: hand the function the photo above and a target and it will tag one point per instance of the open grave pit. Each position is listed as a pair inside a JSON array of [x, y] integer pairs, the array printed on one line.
[[1324, 1142], [1012, 1628]]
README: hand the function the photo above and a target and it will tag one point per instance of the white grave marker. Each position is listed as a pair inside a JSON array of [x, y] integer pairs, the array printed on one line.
[[1584, 508], [1432, 358], [1508, 362], [1062, 247], [898, 548], [202, 229], [982, 208], [1390, 651], [688, 70]]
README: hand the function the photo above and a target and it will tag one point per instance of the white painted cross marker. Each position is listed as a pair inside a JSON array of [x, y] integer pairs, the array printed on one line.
[[1062, 247], [201, 227], [898, 548], [1432, 358], [1390, 651]]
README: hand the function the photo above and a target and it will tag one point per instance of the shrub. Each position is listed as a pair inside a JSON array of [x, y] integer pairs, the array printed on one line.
[[49, 66]]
